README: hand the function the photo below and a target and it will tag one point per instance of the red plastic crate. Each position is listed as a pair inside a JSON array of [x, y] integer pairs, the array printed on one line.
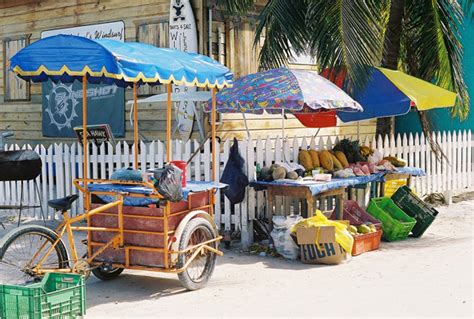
[[356, 215], [366, 242]]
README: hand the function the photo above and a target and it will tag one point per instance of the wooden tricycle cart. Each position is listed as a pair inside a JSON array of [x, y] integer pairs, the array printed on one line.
[[133, 227]]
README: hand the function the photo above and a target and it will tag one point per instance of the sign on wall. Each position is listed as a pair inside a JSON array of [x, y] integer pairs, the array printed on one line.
[[96, 133], [183, 36], [62, 102]]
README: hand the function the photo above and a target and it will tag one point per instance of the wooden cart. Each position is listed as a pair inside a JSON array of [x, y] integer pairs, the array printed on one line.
[[166, 237]]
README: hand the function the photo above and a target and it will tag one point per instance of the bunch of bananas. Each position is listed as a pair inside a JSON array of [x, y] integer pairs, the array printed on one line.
[[366, 151]]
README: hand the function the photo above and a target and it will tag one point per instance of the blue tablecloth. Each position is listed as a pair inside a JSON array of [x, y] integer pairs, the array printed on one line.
[[321, 187], [191, 187]]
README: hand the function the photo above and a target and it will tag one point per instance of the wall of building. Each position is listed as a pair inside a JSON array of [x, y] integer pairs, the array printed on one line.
[[441, 118], [236, 50]]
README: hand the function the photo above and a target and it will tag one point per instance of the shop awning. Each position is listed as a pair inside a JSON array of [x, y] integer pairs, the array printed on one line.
[[66, 58]]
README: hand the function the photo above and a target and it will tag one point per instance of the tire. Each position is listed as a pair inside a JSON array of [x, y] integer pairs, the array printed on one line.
[[106, 273], [197, 274], [18, 247]]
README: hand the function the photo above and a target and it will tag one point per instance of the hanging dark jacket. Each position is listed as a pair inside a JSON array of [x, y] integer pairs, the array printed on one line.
[[234, 175]]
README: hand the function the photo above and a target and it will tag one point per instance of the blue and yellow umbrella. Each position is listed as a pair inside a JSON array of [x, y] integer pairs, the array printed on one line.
[[392, 93]]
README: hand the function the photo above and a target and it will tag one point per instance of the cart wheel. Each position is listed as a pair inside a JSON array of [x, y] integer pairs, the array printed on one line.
[[199, 271], [22, 248], [105, 272]]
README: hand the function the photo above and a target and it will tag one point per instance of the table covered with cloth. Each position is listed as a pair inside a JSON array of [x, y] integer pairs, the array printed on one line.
[[191, 187], [320, 187]]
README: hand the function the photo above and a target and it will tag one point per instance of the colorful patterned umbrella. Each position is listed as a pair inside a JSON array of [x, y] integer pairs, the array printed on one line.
[[283, 89]]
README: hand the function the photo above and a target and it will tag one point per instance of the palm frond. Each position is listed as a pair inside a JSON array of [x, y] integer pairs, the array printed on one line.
[[432, 47], [283, 22], [346, 33], [235, 7]]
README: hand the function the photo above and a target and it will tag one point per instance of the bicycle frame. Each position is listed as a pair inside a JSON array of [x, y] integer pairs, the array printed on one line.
[[118, 240]]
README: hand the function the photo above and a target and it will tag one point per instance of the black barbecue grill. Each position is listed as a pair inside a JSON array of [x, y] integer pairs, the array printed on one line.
[[20, 166]]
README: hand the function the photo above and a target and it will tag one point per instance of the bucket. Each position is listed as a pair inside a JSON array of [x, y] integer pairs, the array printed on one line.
[[182, 166]]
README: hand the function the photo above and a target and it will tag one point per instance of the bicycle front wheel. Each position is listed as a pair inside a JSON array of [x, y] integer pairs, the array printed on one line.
[[22, 249]]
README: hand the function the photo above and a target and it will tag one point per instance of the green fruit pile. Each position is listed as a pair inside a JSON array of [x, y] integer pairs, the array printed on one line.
[[366, 228]]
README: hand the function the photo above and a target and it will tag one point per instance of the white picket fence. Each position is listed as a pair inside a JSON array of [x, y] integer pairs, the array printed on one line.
[[63, 162]]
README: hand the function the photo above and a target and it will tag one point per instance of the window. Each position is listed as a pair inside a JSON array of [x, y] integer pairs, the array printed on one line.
[[156, 34], [15, 88], [218, 42]]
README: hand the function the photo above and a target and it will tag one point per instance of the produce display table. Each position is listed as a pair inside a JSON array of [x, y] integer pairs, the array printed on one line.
[[310, 191], [304, 192]]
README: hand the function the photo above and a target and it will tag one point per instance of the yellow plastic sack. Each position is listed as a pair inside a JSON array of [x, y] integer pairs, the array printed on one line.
[[343, 237]]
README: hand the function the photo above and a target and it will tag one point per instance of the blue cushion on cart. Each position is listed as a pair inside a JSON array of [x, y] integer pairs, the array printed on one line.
[[127, 174]]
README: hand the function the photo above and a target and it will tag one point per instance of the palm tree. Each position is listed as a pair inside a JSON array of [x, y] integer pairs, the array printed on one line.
[[420, 37]]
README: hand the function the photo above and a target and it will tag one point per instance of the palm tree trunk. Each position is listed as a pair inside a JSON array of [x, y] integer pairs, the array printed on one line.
[[391, 53]]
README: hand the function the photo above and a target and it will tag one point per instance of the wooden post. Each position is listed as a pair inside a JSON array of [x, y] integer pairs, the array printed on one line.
[[213, 135], [168, 123], [135, 125]]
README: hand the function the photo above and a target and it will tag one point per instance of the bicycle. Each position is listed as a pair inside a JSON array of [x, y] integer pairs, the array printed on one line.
[[34, 250]]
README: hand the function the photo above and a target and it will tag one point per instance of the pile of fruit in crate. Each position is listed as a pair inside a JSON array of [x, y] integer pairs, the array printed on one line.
[[365, 228], [323, 240]]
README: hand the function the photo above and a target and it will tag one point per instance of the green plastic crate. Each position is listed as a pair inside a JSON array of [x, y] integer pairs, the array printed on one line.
[[416, 208], [56, 296], [396, 225]]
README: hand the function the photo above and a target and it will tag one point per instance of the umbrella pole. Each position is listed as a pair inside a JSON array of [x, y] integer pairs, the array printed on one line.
[[282, 124], [213, 135], [168, 123], [135, 126], [84, 136], [84, 150], [317, 132], [246, 125]]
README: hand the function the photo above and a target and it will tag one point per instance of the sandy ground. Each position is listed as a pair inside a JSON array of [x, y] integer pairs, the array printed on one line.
[[430, 276]]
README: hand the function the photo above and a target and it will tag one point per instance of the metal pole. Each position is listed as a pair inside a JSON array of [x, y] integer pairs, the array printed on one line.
[[213, 135], [283, 123], [168, 123], [135, 125], [84, 133], [246, 125]]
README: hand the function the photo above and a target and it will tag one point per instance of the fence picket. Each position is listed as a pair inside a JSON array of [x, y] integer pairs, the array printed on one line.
[[227, 206], [470, 160], [217, 207], [444, 164], [464, 147]]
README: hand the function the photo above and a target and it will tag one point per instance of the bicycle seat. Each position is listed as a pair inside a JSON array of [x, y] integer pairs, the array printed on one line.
[[63, 204]]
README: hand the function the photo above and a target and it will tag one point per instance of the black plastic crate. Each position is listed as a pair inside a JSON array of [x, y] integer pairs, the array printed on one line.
[[416, 208]]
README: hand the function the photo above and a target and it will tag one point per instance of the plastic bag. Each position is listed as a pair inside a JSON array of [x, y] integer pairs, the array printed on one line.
[[169, 185], [234, 176], [281, 235], [343, 237], [375, 158]]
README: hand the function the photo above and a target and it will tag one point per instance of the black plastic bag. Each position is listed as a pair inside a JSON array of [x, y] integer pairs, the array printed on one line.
[[234, 176], [169, 184]]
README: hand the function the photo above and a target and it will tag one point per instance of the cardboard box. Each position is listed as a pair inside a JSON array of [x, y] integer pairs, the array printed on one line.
[[328, 250]]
